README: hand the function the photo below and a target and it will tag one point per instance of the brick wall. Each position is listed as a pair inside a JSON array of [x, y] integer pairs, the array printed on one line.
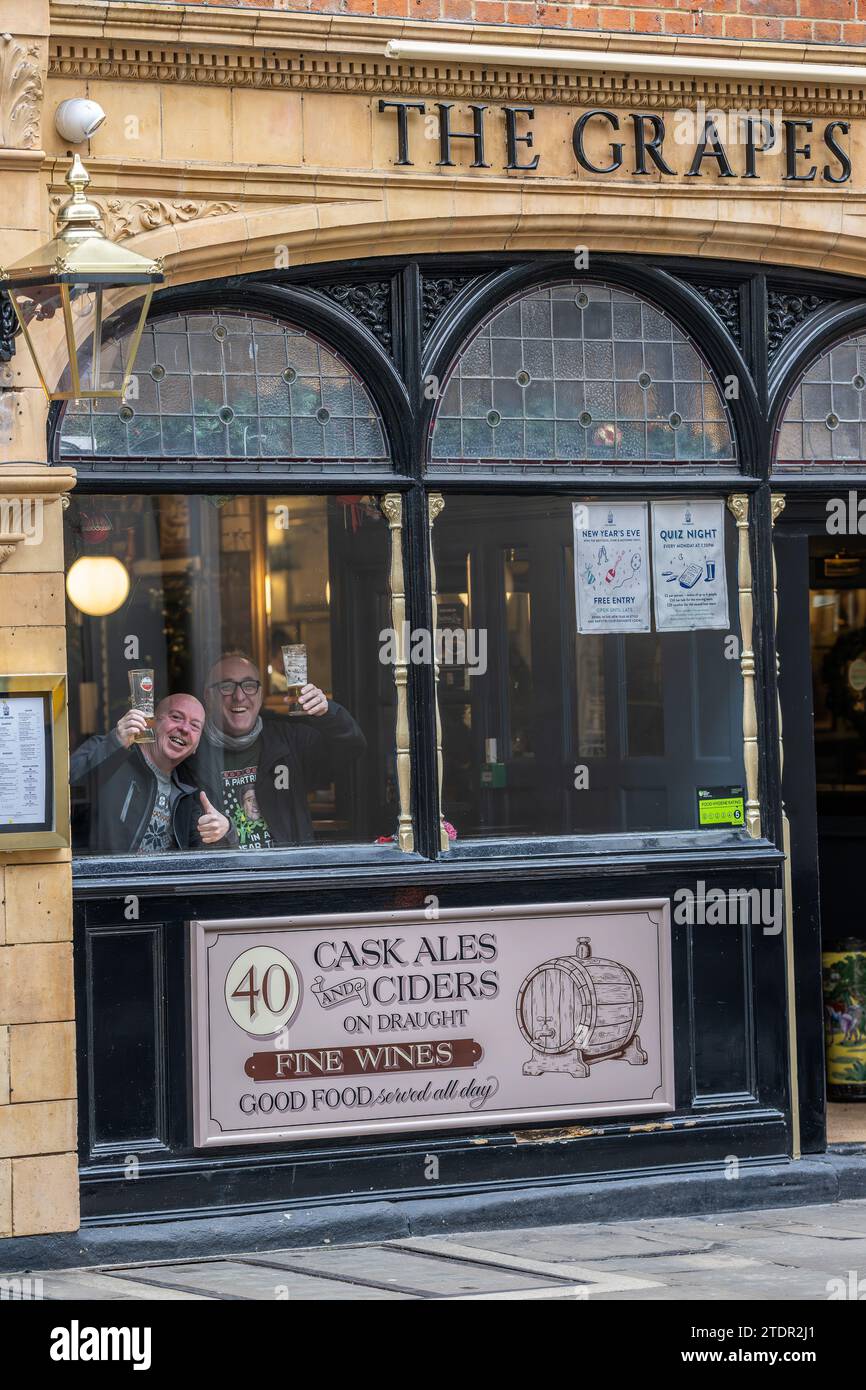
[[791, 21]]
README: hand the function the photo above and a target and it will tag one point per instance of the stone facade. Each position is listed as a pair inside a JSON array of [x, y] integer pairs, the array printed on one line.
[[38, 1176], [239, 139]]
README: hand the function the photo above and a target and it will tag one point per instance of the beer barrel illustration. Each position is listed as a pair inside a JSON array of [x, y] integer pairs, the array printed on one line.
[[577, 1010]]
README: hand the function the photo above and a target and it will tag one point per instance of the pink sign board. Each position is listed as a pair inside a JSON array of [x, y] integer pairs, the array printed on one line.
[[388, 1022]]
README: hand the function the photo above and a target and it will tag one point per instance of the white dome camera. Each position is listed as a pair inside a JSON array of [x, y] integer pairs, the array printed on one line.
[[77, 119]]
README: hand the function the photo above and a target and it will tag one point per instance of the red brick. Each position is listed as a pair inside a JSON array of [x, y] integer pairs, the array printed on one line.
[[739, 27], [615, 19], [827, 9], [769, 29], [391, 9], [488, 13], [764, 9], [646, 23], [854, 33], [678, 23], [797, 29], [557, 15], [520, 13], [456, 9], [423, 9], [828, 33], [711, 26]]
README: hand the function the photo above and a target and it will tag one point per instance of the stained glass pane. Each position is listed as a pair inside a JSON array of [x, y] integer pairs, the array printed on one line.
[[211, 385], [825, 415], [581, 372]]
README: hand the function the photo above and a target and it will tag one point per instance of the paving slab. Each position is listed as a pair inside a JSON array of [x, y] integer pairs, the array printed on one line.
[[236, 1279], [582, 1243], [412, 1271], [91, 1286]]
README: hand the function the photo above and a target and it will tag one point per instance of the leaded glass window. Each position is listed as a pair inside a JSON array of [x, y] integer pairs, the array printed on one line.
[[229, 385], [580, 373], [825, 415]]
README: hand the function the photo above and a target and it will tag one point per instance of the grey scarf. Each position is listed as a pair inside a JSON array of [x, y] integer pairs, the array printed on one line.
[[236, 742]]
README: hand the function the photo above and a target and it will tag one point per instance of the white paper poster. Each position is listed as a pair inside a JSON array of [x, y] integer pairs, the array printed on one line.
[[611, 572], [22, 760], [689, 580]]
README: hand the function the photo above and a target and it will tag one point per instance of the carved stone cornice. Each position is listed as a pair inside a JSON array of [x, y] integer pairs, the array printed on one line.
[[201, 46], [21, 92]]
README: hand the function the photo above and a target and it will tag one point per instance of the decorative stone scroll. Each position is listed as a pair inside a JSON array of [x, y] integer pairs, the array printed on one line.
[[21, 93]]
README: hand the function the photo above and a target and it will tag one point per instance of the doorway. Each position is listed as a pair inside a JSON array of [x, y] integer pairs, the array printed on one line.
[[821, 629], [837, 631]]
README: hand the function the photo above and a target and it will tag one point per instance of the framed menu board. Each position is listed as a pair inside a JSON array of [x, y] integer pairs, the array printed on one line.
[[34, 754]]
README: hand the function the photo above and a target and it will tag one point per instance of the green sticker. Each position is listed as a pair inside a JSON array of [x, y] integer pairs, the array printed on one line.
[[721, 806]]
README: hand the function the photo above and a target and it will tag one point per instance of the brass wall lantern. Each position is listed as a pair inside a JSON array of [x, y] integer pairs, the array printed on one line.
[[97, 287]]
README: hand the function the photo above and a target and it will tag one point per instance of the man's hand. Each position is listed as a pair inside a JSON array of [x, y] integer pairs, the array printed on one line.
[[313, 700], [212, 826], [132, 723]]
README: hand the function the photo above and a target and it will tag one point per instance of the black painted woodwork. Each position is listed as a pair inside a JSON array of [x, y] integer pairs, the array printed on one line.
[[730, 1023]]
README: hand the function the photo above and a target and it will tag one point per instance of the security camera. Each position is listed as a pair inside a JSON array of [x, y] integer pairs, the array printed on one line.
[[77, 119]]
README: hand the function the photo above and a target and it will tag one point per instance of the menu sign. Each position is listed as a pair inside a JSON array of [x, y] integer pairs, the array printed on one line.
[[387, 1022], [24, 762]]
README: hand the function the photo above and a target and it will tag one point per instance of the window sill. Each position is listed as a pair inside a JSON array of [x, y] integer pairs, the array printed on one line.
[[592, 848], [219, 868]]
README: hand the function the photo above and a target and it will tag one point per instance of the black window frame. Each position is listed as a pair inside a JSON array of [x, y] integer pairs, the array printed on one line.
[[723, 308]]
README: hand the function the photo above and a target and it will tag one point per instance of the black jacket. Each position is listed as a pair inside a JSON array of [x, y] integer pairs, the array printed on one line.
[[310, 747], [122, 791]]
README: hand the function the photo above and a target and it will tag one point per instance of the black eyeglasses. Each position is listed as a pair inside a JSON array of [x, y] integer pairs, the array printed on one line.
[[248, 686]]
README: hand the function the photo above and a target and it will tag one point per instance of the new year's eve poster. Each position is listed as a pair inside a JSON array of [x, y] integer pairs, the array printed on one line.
[[610, 567]]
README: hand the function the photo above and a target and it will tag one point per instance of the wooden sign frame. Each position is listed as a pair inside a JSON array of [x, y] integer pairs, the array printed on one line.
[[52, 832]]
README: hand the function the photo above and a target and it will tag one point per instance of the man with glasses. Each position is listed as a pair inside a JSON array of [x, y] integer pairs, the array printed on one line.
[[258, 766]]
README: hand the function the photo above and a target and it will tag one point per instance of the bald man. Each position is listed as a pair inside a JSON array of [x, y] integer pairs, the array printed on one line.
[[139, 803]]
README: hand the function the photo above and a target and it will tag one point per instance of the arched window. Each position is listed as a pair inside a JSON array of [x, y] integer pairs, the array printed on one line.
[[824, 419], [229, 385], [580, 372]]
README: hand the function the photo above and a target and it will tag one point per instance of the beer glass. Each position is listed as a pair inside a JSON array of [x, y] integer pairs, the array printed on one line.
[[295, 667], [141, 692]]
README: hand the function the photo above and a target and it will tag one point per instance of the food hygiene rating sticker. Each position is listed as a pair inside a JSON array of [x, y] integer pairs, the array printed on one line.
[[721, 806]]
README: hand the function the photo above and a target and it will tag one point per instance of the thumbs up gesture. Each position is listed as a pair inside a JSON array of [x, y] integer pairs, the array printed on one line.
[[212, 825]]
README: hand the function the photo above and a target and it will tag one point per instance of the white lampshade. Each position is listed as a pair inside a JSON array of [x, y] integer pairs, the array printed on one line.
[[97, 585]]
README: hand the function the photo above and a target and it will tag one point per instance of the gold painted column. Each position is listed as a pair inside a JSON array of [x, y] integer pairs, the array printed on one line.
[[738, 506], [435, 504], [38, 1130], [392, 508]]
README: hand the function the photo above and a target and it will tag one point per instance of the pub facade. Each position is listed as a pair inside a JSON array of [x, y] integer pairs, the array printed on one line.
[[521, 401]]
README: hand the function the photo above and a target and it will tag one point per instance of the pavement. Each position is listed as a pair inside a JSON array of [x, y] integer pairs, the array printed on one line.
[[803, 1253]]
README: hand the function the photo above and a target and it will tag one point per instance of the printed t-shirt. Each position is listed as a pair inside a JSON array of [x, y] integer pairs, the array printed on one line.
[[240, 768], [159, 836]]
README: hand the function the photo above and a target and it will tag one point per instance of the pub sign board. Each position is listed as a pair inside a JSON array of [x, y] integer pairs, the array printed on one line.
[[378, 1023]]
